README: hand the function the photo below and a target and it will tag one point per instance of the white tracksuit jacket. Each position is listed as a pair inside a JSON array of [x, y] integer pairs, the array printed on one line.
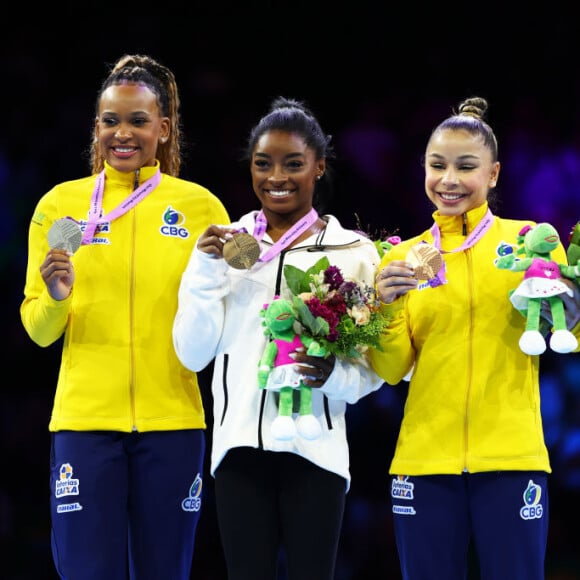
[[218, 318]]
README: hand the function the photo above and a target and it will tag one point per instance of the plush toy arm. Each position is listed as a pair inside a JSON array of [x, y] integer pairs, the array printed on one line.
[[510, 262], [573, 254], [505, 262], [572, 272], [266, 364], [313, 347]]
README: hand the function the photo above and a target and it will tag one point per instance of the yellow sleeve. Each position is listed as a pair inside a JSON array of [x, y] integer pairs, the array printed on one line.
[[43, 318], [397, 356]]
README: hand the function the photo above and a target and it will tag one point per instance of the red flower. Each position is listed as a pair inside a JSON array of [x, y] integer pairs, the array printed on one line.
[[318, 308]]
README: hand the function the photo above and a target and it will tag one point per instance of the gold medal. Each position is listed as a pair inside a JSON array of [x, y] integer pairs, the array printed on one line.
[[426, 260], [241, 251]]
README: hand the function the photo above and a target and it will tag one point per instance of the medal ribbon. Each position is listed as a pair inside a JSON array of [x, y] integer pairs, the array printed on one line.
[[131, 201], [298, 228], [478, 232]]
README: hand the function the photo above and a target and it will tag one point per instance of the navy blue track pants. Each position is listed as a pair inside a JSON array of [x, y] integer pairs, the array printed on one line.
[[504, 513], [125, 505]]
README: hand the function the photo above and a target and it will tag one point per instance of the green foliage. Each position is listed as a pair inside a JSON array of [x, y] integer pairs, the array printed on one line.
[[299, 280]]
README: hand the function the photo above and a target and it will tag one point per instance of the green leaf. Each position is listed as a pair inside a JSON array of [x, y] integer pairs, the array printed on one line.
[[294, 278], [317, 325], [298, 280], [320, 266]]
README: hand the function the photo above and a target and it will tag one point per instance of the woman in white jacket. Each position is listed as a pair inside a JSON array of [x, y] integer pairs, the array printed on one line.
[[273, 494]]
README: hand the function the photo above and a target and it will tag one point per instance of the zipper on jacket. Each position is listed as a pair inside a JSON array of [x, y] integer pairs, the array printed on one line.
[[469, 267], [225, 387], [465, 224], [261, 418], [132, 311]]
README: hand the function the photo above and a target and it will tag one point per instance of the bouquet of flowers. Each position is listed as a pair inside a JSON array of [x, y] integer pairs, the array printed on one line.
[[341, 315]]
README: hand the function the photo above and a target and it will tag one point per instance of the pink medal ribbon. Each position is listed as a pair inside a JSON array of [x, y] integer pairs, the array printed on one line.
[[479, 231], [298, 228], [131, 201]]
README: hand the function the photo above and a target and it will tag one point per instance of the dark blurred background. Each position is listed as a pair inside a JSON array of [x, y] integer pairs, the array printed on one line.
[[379, 77]]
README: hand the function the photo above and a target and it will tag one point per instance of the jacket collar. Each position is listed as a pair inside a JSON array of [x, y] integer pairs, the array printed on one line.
[[454, 224], [114, 176], [333, 234]]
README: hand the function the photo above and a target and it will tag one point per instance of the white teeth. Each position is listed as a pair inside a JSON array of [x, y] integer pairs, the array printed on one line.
[[279, 193], [450, 197], [124, 149]]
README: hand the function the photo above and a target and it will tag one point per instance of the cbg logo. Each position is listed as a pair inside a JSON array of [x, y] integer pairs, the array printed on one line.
[[193, 502], [533, 508], [173, 220]]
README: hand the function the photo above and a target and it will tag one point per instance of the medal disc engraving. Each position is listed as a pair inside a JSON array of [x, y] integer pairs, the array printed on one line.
[[65, 234], [241, 251], [426, 260]]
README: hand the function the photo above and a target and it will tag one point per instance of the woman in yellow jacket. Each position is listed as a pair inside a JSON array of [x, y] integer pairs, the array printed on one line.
[[127, 421], [470, 463]]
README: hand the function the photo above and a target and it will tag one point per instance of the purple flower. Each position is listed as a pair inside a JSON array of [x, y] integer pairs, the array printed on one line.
[[333, 277]]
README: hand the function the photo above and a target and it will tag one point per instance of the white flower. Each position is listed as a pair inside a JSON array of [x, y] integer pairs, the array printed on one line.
[[360, 314]]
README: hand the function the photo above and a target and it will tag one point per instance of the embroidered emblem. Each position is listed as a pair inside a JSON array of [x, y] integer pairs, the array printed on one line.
[[68, 507], [66, 485], [102, 228], [405, 510], [532, 509], [401, 487], [193, 502], [173, 221]]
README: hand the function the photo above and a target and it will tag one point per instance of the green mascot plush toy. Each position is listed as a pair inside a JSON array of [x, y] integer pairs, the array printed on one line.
[[276, 371], [542, 281]]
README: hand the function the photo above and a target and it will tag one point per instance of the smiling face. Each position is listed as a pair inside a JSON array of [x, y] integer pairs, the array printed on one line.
[[284, 172], [129, 126], [459, 171], [279, 317]]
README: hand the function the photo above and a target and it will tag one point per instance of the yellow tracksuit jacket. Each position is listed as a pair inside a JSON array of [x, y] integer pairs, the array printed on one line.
[[473, 402], [119, 370]]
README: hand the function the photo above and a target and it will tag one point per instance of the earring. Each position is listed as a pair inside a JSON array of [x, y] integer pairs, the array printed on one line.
[[163, 139], [319, 176]]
